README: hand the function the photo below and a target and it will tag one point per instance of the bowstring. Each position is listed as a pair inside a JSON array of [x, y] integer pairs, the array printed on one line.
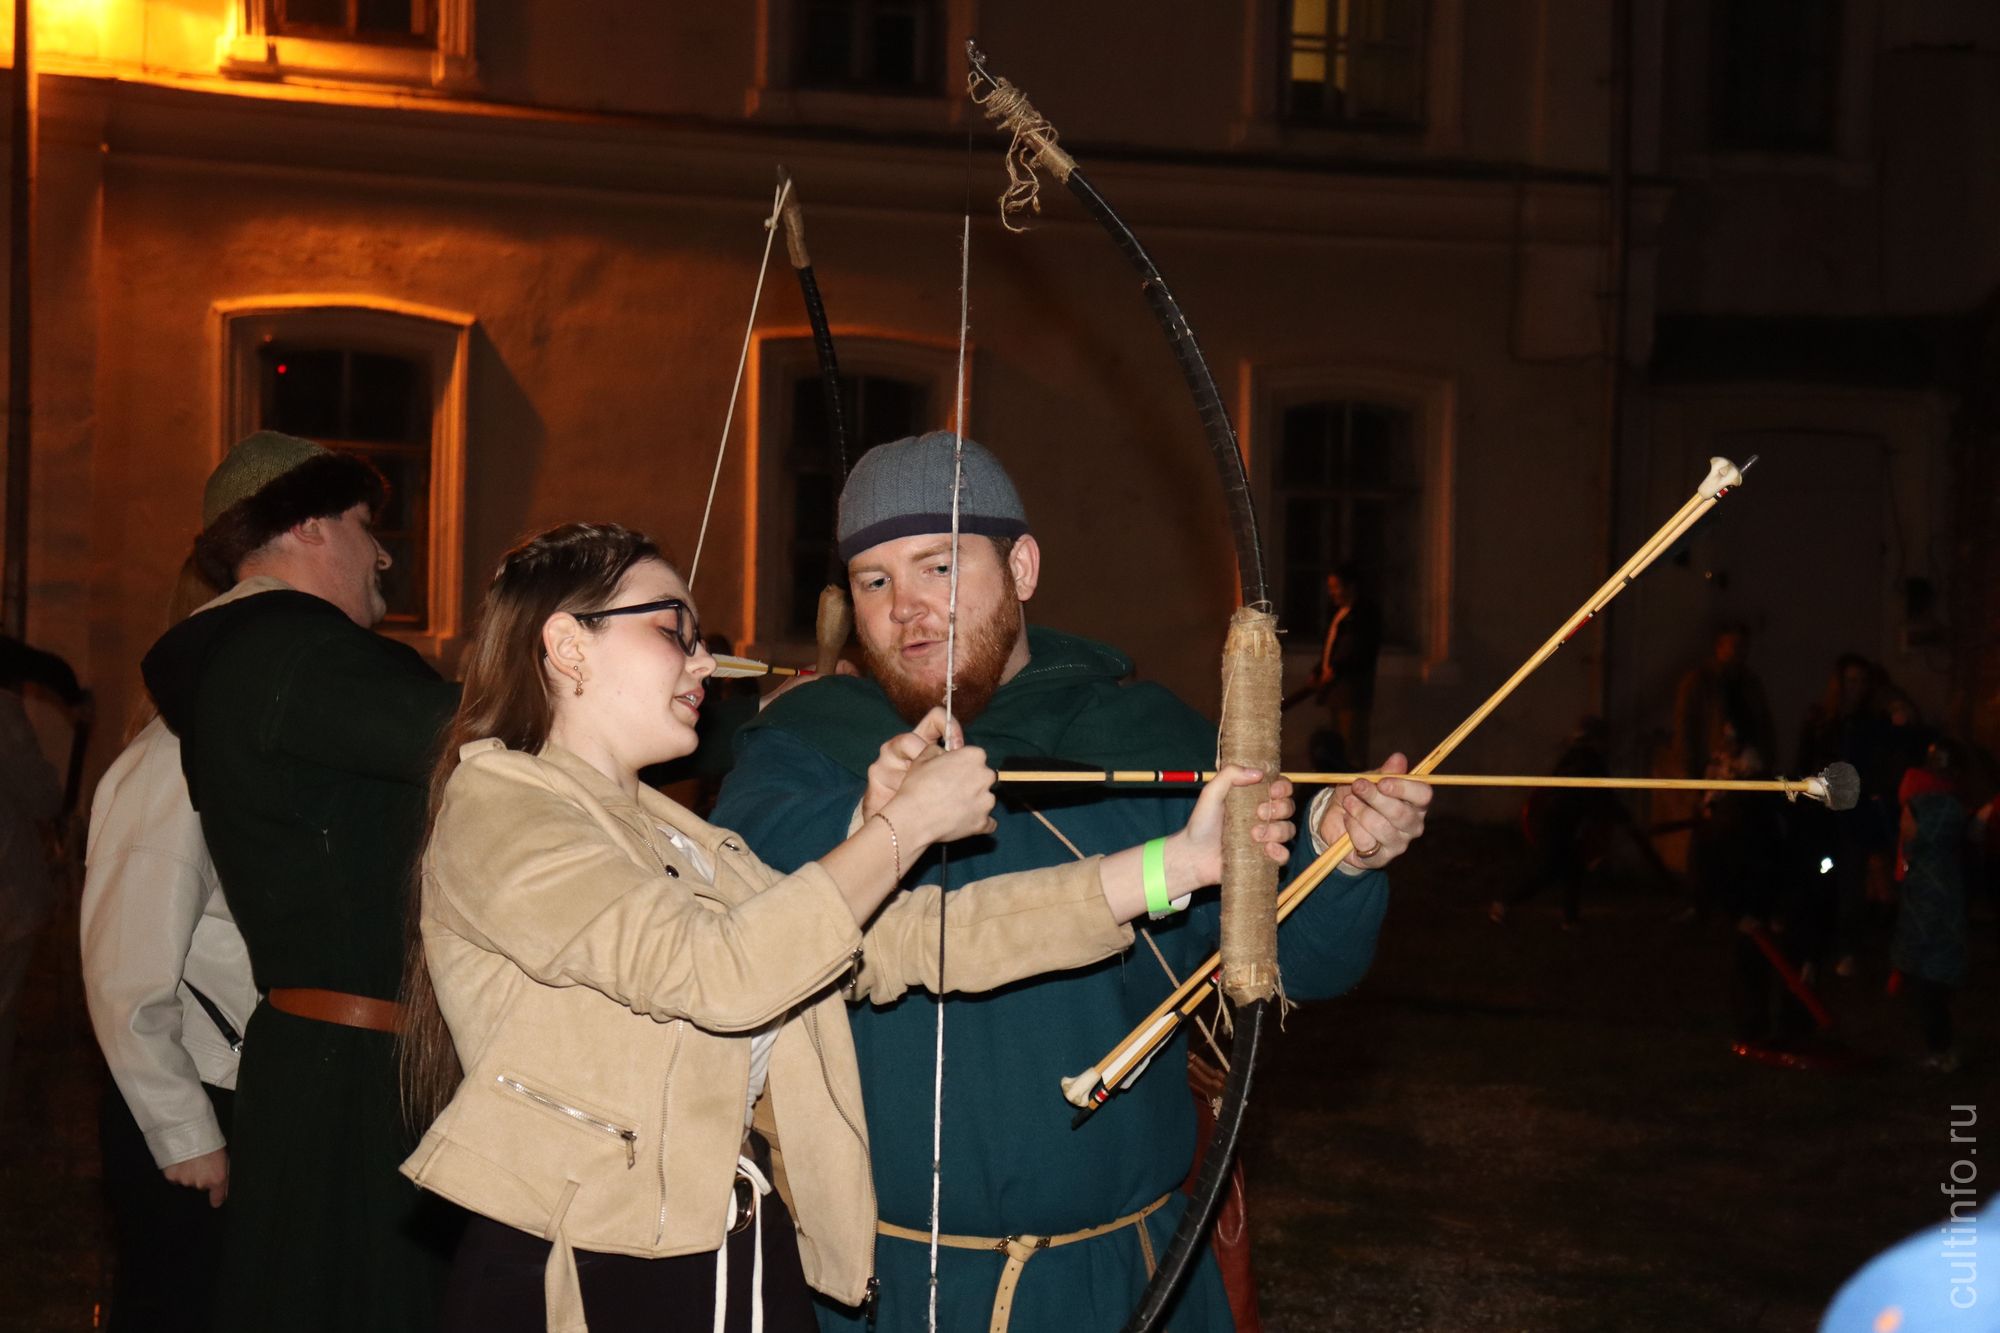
[[743, 359], [950, 685]]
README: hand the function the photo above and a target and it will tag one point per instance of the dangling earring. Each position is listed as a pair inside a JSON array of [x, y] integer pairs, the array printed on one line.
[[579, 680], [579, 689]]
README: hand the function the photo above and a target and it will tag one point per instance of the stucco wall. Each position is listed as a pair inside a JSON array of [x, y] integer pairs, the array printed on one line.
[[608, 324], [608, 263]]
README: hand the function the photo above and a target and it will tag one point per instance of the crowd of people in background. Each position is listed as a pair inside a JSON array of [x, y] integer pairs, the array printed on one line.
[[1879, 891], [1826, 885]]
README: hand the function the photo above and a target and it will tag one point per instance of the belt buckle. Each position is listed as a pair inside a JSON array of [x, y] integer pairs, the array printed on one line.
[[745, 1200]]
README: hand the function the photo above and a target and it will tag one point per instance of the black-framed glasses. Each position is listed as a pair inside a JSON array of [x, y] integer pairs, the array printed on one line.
[[687, 626]]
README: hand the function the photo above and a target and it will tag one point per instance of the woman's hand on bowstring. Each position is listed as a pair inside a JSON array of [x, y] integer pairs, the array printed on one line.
[[929, 791]]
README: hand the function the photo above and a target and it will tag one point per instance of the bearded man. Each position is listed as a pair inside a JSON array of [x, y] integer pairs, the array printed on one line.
[[1012, 1165]]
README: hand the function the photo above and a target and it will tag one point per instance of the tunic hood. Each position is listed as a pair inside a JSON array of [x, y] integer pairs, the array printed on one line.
[[173, 666], [1069, 704]]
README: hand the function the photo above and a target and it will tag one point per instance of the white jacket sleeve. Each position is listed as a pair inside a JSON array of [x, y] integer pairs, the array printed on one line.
[[146, 884]]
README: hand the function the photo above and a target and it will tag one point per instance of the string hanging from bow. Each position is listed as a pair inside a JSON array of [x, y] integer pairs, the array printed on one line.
[[742, 360], [950, 690], [1250, 672], [834, 617]]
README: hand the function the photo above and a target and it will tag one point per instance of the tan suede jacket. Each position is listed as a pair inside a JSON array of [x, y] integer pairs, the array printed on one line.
[[601, 994]]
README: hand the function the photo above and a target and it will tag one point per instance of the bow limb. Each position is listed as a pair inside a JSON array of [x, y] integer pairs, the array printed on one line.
[[834, 621], [1251, 660]]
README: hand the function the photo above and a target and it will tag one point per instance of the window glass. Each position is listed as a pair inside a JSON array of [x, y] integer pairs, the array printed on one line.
[[1773, 74], [884, 46], [1354, 63], [397, 21], [1349, 492], [377, 405]]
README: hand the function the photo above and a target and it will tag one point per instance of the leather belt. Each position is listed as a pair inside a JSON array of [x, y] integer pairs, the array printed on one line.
[[1020, 1249], [333, 1006], [747, 1196]]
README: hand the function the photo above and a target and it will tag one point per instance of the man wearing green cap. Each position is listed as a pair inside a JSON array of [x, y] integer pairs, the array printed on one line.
[[1104, 1197], [307, 740]]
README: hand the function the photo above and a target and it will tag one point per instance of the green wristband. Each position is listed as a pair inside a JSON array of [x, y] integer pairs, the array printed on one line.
[[1153, 873]]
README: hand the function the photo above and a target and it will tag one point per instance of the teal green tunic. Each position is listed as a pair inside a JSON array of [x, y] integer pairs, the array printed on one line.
[[1012, 1164]]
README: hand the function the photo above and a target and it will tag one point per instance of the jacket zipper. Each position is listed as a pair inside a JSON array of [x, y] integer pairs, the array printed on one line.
[[680, 1031], [666, 1091], [585, 1118], [812, 1030]]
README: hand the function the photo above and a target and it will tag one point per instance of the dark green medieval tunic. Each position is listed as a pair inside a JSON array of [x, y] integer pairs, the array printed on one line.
[[1011, 1162], [307, 743]]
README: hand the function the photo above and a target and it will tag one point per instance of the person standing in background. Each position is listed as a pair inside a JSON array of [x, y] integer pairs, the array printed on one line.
[[1346, 675], [30, 795], [1722, 693], [1848, 725], [167, 980], [1929, 948]]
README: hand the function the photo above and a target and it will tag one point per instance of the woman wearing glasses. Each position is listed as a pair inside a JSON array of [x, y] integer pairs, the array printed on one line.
[[605, 991]]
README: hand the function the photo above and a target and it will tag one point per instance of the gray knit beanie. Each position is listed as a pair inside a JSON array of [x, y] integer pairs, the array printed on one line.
[[903, 489]]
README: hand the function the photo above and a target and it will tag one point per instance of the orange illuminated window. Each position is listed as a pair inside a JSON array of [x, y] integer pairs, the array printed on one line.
[[395, 21], [1354, 64]]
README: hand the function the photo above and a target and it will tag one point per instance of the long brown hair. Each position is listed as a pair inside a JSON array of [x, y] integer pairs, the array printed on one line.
[[576, 567]]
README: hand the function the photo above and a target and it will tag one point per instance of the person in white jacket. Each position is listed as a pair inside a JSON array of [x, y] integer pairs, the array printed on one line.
[[168, 983]]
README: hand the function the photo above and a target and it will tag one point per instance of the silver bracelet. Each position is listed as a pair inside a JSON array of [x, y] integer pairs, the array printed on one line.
[[895, 843]]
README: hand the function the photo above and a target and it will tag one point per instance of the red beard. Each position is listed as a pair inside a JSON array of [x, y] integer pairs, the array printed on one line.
[[979, 659]]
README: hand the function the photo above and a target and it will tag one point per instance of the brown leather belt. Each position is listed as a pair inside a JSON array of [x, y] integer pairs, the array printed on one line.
[[333, 1006]]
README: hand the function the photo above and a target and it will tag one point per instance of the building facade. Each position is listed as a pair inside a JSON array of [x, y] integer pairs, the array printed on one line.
[[1474, 278]]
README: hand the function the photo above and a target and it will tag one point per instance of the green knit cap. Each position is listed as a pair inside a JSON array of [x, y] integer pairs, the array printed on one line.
[[254, 463]]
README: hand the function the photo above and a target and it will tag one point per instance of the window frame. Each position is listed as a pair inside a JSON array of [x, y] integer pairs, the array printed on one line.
[[1287, 36], [779, 357], [775, 97], [1717, 135], [441, 339], [934, 87], [1429, 399], [284, 27], [1263, 124], [253, 46], [1849, 160]]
